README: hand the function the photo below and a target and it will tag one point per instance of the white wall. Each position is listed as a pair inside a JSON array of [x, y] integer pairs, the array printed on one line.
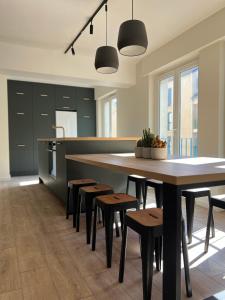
[[211, 100], [4, 140], [132, 107]]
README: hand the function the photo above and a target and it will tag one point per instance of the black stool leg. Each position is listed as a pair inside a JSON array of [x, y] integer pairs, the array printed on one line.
[[212, 220], [127, 189], [123, 253], [75, 202], [67, 202], [186, 262], [117, 225], [109, 216], [210, 216], [147, 255], [158, 253], [145, 196], [94, 228], [159, 196], [138, 191], [190, 206], [88, 207], [79, 199]]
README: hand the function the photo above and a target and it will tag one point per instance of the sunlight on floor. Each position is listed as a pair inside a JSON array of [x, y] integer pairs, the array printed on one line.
[[28, 182], [196, 249]]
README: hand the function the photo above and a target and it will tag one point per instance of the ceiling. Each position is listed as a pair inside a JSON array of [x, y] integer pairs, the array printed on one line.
[[53, 23]]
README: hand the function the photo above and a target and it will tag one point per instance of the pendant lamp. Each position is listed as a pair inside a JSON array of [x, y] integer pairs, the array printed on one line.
[[132, 38], [106, 58]]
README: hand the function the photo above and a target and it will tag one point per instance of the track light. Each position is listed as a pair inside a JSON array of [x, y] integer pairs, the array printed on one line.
[[72, 50], [91, 28]]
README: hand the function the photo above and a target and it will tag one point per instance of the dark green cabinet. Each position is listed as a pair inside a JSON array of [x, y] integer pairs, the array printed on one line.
[[86, 110], [43, 115], [20, 127], [65, 98], [32, 109]]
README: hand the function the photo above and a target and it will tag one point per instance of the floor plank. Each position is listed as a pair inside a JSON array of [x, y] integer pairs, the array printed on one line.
[[42, 256]]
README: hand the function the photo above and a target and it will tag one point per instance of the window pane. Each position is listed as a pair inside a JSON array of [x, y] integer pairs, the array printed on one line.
[[166, 112], [189, 112], [106, 119], [114, 117]]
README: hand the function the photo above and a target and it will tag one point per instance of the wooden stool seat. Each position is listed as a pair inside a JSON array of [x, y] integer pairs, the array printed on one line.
[[110, 204], [158, 188], [150, 217], [96, 189], [82, 182], [136, 178], [217, 201], [197, 193], [115, 199], [148, 224], [73, 187], [139, 186], [191, 195], [88, 194]]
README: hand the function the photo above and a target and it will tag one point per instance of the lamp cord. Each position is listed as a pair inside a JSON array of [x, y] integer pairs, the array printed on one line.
[[106, 21], [132, 9]]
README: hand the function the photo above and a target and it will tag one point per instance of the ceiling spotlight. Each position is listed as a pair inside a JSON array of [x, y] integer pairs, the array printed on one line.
[[91, 28], [72, 50]]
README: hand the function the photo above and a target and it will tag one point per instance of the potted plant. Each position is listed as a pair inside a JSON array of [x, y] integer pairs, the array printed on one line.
[[147, 143], [138, 148], [159, 149]]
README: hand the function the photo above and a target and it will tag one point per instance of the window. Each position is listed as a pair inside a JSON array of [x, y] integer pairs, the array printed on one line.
[[109, 117], [178, 111]]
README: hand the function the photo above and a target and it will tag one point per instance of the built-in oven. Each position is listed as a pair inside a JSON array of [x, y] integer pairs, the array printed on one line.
[[52, 159]]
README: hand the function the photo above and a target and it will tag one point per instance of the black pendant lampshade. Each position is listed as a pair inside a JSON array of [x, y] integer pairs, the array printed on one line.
[[132, 38], [106, 60]]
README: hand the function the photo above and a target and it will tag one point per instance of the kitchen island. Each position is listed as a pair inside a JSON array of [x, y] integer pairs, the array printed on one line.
[[55, 171]]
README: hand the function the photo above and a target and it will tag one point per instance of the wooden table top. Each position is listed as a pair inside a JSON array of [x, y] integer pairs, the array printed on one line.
[[81, 139], [174, 171]]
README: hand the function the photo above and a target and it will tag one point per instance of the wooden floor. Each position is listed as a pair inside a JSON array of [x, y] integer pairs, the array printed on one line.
[[42, 257]]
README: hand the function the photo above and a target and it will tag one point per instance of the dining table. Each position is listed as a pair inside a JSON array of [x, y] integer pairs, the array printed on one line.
[[176, 174]]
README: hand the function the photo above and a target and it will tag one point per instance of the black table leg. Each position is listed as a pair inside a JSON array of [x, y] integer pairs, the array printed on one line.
[[171, 242]]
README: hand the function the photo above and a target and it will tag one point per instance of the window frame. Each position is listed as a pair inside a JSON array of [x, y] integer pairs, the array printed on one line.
[[176, 74], [109, 100]]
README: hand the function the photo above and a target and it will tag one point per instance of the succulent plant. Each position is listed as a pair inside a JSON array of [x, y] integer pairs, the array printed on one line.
[[148, 138], [158, 143], [140, 143]]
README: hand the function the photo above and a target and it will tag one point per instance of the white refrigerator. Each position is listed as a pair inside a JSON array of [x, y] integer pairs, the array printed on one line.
[[67, 120]]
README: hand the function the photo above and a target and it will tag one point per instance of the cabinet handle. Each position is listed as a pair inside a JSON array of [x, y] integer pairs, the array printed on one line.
[[86, 99], [86, 117], [44, 95], [20, 113], [44, 115], [21, 145], [66, 107], [66, 97], [19, 93]]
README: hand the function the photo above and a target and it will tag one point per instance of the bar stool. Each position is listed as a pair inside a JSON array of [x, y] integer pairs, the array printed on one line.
[[190, 196], [215, 201], [110, 204], [139, 186], [148, 224], [158, 188], [88, 194], [73, 187]]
